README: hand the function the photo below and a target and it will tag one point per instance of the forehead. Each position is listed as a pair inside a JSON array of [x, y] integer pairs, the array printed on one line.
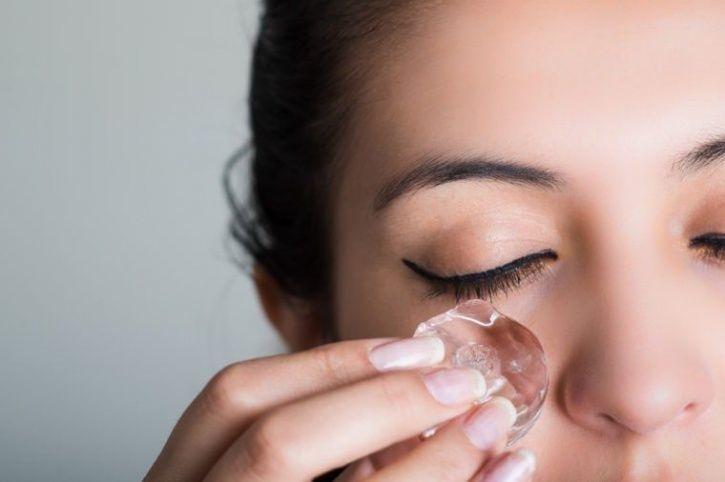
[[579, 86]]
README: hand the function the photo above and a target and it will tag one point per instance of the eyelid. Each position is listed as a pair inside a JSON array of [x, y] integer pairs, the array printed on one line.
[[471, 277]]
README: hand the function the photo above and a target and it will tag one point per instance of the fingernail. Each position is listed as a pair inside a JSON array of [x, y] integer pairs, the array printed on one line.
[[490, 422], [451, 386], [408, 353], [515, 466]]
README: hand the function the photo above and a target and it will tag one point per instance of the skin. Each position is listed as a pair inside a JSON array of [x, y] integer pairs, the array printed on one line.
[[606, 94]]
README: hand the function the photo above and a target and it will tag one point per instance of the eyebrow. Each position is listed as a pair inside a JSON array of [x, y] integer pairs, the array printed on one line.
[[706, 154], [435, 169]]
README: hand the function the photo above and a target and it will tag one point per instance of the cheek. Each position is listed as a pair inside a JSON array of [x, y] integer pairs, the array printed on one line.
[[370, 301], [371, 293], [374, 295], [714, 278]]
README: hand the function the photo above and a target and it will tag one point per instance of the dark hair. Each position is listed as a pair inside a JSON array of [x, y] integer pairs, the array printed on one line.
[[304, 65]]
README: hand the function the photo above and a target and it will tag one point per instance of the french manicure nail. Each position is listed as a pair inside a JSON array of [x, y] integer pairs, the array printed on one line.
[[490, 422], [452, 386], [408, 353], [515, 466]]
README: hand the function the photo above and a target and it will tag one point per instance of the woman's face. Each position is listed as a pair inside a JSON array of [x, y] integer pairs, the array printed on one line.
[[501, 129]]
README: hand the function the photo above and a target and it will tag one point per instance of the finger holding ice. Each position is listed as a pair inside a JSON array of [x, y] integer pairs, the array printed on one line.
[[508, 354]]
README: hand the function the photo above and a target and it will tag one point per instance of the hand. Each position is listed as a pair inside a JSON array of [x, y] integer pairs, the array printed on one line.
[[293, 417]]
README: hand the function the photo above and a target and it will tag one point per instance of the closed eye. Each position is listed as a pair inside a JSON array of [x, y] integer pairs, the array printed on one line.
[[489, 283], [711, 246]]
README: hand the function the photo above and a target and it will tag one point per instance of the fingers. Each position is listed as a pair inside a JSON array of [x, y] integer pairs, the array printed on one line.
[[517, 466], [303, 439], [457, 450], [240, 392]]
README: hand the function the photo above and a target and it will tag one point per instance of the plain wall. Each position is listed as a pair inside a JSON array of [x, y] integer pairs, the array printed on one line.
[[117, 294]]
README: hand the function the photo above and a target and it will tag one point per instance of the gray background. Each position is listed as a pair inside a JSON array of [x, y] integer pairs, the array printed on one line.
[[118, 296]]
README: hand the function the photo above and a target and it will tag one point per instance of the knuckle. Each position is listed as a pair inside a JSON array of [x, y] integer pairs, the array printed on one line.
[[224, 395], [268, 451], [332, 364], [401, 393]]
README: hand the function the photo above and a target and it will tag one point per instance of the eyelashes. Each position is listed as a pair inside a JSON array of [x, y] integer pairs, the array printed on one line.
[[711, 246], [487, 284], [532, 267]]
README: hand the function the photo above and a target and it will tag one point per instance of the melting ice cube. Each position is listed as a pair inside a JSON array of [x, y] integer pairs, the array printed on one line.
[[507, 353]]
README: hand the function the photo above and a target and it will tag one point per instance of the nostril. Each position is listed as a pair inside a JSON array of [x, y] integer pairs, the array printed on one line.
[[608, 424], [690, 407], [608, 418], [686, 411]]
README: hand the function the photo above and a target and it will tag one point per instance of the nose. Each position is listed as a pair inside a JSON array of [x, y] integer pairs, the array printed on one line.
[[637, 369], [639, 385]]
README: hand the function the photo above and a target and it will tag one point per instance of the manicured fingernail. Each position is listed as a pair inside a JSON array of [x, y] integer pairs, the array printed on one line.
[[515, 466], [408, 353], [490, 422], [452, 386]]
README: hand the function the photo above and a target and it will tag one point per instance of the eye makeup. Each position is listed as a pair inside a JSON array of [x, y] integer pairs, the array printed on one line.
[[487, 284], [711, 246]]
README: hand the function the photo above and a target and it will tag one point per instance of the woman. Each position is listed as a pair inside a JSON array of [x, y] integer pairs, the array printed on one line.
[[580, 144]]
